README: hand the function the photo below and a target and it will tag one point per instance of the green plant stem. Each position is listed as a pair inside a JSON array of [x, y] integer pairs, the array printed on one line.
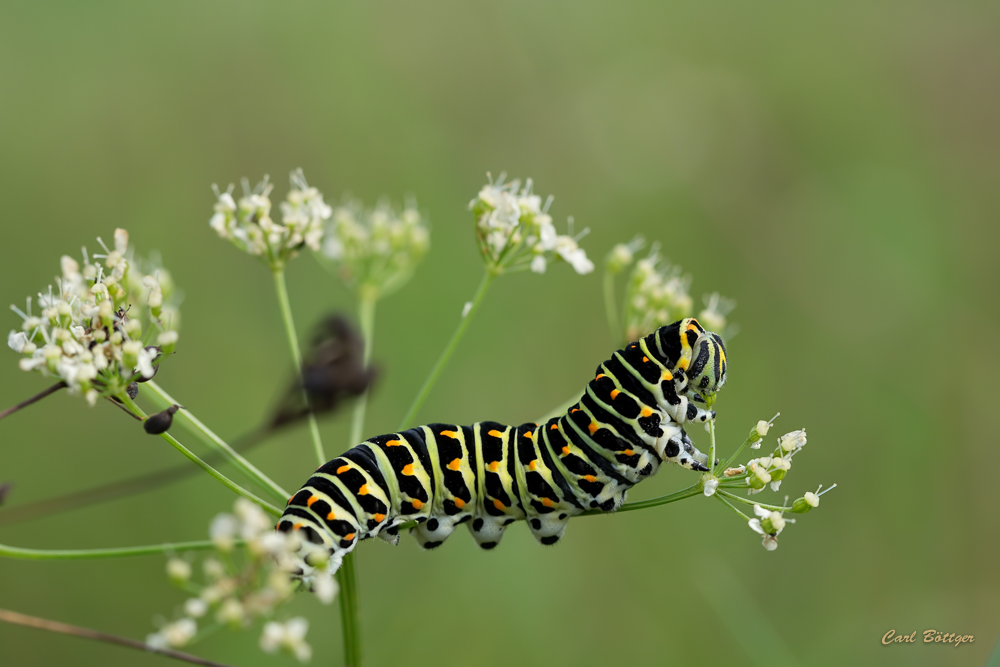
[[207, 436], [293, 344], [559, 411], [725, 464], [747, 501], [16, 618], [442, 361], [689, 492], [230, 484], [347, 575], [731, 506], [711, 450], [611, 308], [94, 554]]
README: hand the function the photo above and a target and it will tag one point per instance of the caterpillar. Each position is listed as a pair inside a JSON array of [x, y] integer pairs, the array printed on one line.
[[628, 421]]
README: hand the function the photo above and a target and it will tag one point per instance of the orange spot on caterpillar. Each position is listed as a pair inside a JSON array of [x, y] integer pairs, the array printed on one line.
[[494, 466], [554, 427], [349, 537], [312, 499], [496, 434], [614, 394], [499, 505], [456, 464], [331, 516], [599, 376], [547, 502], [363, 491], [683, 364], [533, 465], [451, 434], [592, 427], [565, 450], [667, 375], [645, 360], [530, 435], [290, 500], [628, 452], [296, 526], [417, 504], [393, 443], [459, 503], [342, 469], [379, 517], [408, 469], [590, 478], [574, 410], [646, 411]]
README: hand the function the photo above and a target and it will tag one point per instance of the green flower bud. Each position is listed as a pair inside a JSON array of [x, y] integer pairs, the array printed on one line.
[[805, 503]]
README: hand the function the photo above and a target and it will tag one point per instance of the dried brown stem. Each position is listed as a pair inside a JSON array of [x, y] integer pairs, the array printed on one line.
[[75, 631], [34, 399]]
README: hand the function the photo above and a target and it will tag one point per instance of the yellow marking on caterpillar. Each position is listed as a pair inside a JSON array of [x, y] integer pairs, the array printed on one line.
[[296, 526], [456, 464], [646, 411], [496, 434], [451, 434], [363, 491], [592, 427], [667, 375], [683, 364]]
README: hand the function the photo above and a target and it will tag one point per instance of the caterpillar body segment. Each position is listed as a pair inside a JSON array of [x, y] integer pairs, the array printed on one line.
[[628, 421]]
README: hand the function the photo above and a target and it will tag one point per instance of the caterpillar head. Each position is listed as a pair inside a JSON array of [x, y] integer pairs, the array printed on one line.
[[707, 371]]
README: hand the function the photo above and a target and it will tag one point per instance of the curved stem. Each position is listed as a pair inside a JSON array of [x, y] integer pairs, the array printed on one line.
[[652, 502], [34, 399], [366, 314], [15, 618], [747, 501], [293, 345], [95, 554], [731, 506], [215, 442], [230, 484], [484, 285], [559, 411]]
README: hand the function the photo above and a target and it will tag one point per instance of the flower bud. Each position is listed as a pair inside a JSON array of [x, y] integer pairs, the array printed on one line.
[[178, 570], [792, 441], [773, 523], [781, 467], [805, 503]]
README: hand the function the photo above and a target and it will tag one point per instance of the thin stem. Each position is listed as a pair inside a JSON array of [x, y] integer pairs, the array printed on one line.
[[230, 484], [463, 324], [725, 464], [350, 611], [747, 501], [652, 502], [347, 575], [611, 308], [731, 506], [96, 554], [218, 444], [15, 618], [293, 345], [559, 411], [34, 399], [711, 450]]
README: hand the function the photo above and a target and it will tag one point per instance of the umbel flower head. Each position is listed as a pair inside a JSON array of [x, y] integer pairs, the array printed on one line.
[[254, 571], [515, 230], [95, 329], [376, 250], [248, 224]]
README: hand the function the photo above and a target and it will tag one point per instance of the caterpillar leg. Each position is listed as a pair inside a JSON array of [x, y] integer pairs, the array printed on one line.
[[489, 530], [682, 451], [431, 533], [697, 414], [549, 528]]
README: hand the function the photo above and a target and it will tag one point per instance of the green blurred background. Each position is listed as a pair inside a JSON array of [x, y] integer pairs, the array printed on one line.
[[832, 168]]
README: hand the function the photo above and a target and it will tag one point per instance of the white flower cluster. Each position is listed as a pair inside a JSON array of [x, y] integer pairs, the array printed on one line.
[[376, 249], [772, 469], [93, 329], [658, 293], [255, 571], [249, 226], [516, 232]]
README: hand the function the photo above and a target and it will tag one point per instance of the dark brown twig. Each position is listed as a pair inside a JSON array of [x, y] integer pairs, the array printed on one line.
[[62, 628], [34, 399]]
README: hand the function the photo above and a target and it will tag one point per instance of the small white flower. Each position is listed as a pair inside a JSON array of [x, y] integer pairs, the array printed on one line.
[[180, 632], [811, 498], [178, 570], [568, 249], [231, 612], [17, 340], [195, 607], [538, 264], [326, 588], [289, 636], [793, 441], [223, 531], [710, 487], [765, 525]]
